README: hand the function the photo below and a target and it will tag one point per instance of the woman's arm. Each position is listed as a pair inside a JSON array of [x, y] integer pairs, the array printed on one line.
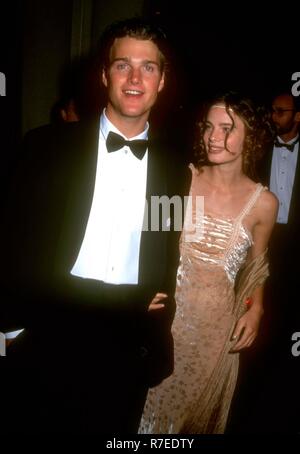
[[247, 326]]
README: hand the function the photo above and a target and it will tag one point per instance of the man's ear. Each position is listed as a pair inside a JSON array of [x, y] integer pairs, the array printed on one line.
[[162, 82], [297, 117], [104, 78]]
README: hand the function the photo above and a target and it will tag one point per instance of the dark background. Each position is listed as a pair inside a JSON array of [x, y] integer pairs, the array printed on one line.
[[217, 47]]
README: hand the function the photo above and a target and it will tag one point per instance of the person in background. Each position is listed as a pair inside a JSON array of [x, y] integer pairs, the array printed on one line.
[[269, 400], [65, 111], [280, 171]]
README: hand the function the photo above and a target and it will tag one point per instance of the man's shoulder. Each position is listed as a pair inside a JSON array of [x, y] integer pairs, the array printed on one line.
[[263, 166], [60, 130], [53, 140]]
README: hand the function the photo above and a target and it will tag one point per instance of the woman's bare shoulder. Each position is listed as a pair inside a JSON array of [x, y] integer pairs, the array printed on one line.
[[267, 204], [268, 198]]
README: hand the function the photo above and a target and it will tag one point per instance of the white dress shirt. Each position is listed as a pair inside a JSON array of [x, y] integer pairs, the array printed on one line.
[[111, 244], [283, 169]]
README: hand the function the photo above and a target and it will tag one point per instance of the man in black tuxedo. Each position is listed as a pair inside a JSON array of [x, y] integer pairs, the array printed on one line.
[[280, 171], [268, 397], [82, 269]]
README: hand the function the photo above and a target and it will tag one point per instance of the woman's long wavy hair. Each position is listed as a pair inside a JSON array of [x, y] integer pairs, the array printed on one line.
[[259, 132]]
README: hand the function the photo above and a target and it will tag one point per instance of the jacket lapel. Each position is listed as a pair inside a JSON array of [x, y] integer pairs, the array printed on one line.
[[264, 167], [294, 216], [80, 166], [151, 258]]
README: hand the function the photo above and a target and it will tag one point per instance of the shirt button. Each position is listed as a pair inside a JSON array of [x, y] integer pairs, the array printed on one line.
[[281, 188]]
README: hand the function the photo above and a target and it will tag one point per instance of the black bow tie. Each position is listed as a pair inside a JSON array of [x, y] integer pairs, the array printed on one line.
[[288, 146], [115, 142]]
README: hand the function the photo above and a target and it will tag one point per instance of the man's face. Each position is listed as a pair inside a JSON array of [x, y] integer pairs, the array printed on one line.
[[284, 114], [133, 79]]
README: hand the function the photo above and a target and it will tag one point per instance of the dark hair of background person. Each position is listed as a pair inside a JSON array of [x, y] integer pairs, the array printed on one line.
[[80, 92], [260, 131], [284, 90]]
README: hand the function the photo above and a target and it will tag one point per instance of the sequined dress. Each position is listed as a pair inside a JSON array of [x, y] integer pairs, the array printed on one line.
[[196, 398]]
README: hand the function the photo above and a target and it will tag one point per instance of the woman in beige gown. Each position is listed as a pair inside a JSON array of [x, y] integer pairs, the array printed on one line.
[[214, 319]]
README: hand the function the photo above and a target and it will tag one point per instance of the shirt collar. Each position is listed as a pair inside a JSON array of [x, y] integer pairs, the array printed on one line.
[[290, 141], [106, 126]]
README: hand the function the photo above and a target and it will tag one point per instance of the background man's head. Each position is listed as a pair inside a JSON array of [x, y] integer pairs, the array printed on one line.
[[286, 114]]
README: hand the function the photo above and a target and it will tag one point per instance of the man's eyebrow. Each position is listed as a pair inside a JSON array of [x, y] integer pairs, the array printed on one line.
[[122, 59], [151, 62], [127, 60], [274, 106]]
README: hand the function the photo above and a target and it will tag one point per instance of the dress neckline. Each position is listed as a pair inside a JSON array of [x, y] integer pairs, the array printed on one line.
[[232, 222], [245, 209]]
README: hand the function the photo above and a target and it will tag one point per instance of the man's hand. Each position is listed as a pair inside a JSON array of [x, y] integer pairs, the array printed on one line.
[[156, 303]]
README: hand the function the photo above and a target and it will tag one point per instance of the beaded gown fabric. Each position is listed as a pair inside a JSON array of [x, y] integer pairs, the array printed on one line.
[[196, 398]]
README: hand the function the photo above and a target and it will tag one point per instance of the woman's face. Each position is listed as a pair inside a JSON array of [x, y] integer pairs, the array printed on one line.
[[224, 135]]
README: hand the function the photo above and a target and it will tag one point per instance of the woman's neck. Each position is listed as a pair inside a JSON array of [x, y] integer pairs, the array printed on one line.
[[224, 178]]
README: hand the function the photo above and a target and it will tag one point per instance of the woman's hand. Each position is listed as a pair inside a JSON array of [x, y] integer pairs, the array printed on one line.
[[156, 302], [246, 329]]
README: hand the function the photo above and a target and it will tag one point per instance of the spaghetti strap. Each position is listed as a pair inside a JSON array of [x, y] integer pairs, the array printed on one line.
[[251, 202], [238, 220]]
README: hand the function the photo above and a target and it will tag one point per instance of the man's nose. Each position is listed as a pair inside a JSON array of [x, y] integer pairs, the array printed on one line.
[[135, 75]]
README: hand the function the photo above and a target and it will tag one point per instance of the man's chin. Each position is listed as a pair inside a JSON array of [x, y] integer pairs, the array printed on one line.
[[281, 131], [133, 113]]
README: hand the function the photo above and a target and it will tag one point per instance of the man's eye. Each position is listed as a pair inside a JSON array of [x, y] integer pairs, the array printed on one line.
[[121, 66], [149, 68]]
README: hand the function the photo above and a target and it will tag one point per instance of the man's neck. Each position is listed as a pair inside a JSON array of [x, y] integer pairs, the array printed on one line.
[[288, 136], [128, 126]]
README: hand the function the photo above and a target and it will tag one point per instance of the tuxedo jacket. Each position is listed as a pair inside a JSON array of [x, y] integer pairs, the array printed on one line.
[[47, 213], [264, 171], [284, 242]]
